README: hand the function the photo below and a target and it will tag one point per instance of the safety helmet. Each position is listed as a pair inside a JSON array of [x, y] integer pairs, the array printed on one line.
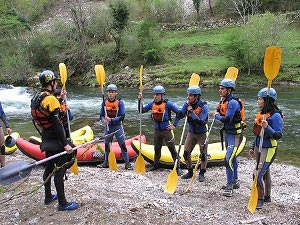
[[9, 141], [228, 83], [159, 90], [264, 92], [194, 90], [111, 87], [47, 76]]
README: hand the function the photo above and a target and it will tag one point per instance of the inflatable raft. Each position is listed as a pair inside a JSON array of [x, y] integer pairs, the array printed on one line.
[[215, 154], [78, 137], [10, 150], [93, 153]]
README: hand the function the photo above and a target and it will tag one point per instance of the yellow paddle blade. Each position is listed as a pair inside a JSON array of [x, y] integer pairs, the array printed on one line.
[[74, 167], [253, 197], [112, 162], [100, 74], [140, 166], [172, 180], [272, 63], [232, 73], [63, 74], [141, 78], [194, 80]]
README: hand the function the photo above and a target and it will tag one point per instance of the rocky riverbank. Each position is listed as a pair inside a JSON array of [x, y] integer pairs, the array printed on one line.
[[124, 197]]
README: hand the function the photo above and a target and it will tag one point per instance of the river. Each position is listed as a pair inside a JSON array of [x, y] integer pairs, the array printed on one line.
[[85, 103]]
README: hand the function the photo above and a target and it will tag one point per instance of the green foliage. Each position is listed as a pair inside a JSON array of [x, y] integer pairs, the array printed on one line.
[[197, 4], [246, 47], [120, 15], [143, 45]]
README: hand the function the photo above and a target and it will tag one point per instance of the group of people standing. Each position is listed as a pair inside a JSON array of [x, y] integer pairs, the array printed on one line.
[[230, 112], [46, 110]]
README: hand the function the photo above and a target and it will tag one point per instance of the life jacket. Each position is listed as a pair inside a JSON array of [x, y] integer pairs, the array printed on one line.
[[112, 107], [39, 114], [158, 111], [63, 113], [239, 116], [197, 111], [257, 126]]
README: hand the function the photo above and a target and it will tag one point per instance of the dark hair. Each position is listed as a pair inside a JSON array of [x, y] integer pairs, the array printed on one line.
[[269, 106]]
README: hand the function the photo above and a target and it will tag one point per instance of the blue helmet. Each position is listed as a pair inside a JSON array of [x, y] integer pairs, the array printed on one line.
[[159, 90], [194, 90], [9, 141], [111, 87], [264, 92], [228, 83], [46, 77]]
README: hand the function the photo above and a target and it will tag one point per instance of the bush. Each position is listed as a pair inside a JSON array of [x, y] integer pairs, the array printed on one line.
[[246, 47]]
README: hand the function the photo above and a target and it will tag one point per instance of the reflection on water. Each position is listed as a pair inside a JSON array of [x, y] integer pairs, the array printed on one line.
[[85, 103]]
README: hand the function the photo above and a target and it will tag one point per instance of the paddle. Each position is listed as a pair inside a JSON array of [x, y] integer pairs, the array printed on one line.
[[272, 61], [172, 179], [140, 162], [63, 79], [231, 73], [20, 169], [100, 75]]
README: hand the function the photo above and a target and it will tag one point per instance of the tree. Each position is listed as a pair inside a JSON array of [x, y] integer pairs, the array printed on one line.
[[246, 47], [120, 14], [197, 4]]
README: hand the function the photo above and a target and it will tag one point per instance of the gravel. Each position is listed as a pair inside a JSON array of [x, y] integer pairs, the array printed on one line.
[[124, 197]]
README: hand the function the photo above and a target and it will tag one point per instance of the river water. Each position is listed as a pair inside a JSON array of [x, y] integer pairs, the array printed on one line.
[[85, 103]]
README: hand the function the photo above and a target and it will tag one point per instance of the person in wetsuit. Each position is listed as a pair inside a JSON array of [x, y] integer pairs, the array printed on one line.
[[228, 112], [112, 115], [161, 109], [196, 111], [269, 118], [45, 112]]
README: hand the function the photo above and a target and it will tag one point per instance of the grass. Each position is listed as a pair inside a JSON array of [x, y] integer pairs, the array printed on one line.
[[202, 51]]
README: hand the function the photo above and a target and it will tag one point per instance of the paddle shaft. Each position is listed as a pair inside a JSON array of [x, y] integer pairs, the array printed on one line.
[[180, 142]]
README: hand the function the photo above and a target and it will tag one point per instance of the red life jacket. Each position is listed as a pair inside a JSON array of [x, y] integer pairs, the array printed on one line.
[[112, 108], [39, 114]]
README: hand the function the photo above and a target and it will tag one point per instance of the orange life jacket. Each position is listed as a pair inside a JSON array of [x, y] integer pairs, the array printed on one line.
[[197, 111], [112, 108], [257, 126], [39, 114], [158, 111], [238, 116]]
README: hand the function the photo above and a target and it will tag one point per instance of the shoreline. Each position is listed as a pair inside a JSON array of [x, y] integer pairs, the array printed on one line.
[[124, 197]]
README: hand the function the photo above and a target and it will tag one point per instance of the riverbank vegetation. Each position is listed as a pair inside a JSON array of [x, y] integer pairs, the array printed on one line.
[[171, 38]]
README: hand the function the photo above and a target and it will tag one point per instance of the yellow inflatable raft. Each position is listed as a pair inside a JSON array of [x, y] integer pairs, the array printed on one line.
[[10, 150], [215, 154], [78, 137]]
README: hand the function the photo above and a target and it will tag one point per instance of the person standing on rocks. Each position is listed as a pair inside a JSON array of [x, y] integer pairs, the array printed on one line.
[[196, 111], [45, 112], [270, 119], [8, 131], [161, 109], [112, 114], [229, 113]]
